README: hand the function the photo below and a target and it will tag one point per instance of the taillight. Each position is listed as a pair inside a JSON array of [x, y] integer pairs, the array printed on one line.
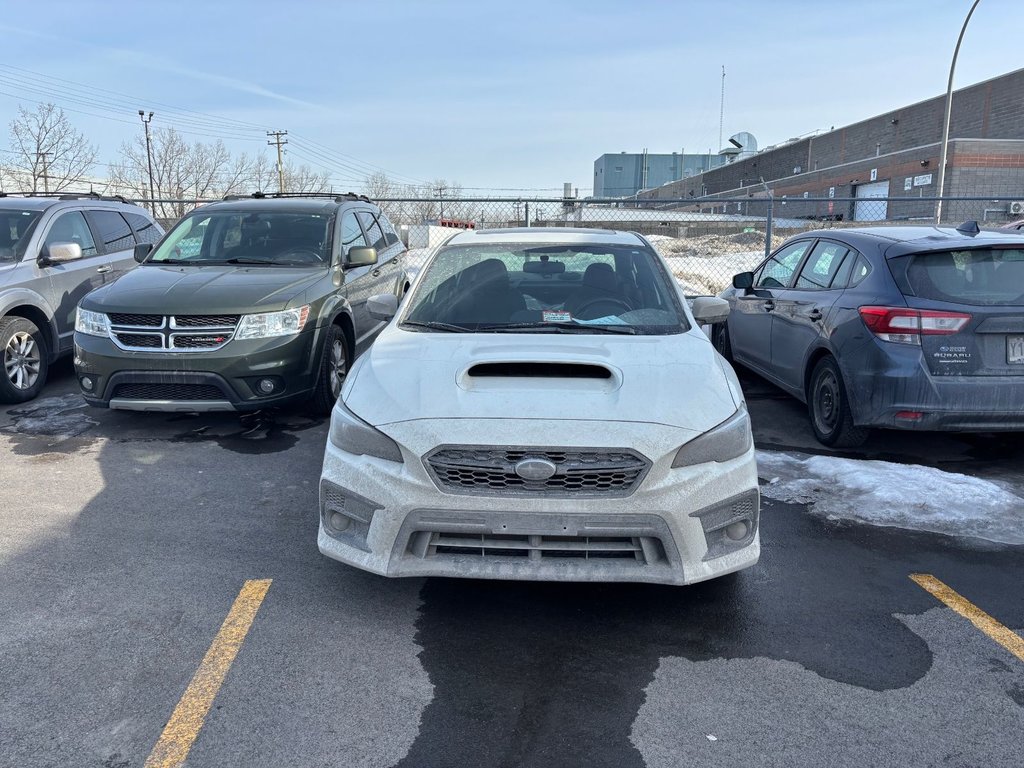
[[907, 326]]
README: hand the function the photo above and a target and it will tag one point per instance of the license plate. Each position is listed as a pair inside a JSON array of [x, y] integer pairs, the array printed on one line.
[[1015, 350]]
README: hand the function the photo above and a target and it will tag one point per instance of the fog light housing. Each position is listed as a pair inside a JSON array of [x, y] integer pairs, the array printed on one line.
[[266, 386], [730, 525], [346, 515], [87, 383]]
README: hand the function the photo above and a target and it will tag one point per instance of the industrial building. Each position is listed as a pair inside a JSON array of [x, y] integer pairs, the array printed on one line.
[[893, 156], [624, 174]]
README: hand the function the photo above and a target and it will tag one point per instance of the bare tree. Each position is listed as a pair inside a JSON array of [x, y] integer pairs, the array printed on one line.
[[48, 154], [297, 178]]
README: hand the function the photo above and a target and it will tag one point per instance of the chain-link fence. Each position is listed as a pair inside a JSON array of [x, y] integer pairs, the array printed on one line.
[[705, 241]]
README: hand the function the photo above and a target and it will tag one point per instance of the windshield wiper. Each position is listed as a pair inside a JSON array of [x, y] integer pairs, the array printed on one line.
[[246, 261], [559, 328], [432, 326]]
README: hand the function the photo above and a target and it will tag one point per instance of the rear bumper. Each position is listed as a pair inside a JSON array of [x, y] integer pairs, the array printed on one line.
[[893, 380]]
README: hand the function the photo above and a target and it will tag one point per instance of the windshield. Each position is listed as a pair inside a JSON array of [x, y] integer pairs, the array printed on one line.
[[980, 276], [15, 231], [545, 288], [261, 238]]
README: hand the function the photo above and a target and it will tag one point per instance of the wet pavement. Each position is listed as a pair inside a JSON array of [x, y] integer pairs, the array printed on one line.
[[125, 538]]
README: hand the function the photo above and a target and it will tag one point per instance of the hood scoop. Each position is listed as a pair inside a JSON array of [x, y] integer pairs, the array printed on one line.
[[539, 370], [540, 375]]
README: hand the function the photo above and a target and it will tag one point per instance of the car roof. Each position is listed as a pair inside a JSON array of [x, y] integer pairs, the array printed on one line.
[[280, 204], [900, 240], [29, 203], [553, 235], [44, 202]]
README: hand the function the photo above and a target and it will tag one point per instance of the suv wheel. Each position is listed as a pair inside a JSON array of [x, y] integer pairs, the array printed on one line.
[[23, 354], [831, 418], [333, 370]]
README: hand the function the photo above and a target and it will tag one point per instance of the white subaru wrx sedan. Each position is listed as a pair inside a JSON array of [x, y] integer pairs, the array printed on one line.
[[543, 406]]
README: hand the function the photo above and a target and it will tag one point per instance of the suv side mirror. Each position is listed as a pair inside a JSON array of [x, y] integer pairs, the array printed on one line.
[[744, 281], [59, 253], [361, 256], [142, 250], [383, 306]]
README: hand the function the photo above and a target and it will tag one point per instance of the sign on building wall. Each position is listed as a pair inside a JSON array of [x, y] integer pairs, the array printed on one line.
[[908, 183], [923, 180]]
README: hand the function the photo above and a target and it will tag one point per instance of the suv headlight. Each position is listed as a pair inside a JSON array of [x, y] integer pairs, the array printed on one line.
[[267, 324], [92, 323], [728, 440], [353, 435]]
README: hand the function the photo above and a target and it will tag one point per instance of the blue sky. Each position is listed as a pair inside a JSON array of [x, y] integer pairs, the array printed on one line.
[[517, 95]]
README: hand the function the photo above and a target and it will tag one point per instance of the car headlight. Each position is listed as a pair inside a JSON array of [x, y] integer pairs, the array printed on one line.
[[728, 440], [267, 324], [92, 323], [353, 435]]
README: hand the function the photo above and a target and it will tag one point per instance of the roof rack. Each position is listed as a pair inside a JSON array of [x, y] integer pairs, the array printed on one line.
[[338, 197], [71, 196]]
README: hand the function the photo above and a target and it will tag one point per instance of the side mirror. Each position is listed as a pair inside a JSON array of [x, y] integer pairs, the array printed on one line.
[[58, 253], [744, 280], [709, 310], [142, 250], [383, 306], [361, 256]]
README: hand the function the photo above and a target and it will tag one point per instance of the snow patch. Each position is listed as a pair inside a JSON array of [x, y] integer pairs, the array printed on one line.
[[898, 495]]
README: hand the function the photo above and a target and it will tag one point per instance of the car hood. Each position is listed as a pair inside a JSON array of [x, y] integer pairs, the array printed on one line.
[[676, 380], [171, 290]]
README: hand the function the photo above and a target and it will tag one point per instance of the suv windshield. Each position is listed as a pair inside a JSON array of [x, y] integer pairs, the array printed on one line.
[[980, 276], [532, 288], [237, 237], [15, 230]]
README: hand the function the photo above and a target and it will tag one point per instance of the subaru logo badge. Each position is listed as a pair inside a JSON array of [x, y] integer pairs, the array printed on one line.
[[535, 469]]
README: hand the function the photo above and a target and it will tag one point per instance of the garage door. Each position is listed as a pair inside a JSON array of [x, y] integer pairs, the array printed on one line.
[[868, 207]]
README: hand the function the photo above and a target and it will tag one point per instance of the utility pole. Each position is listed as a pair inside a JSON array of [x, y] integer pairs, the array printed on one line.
[[721, 109], [440, 194], [279, 142], [149, 159], [46, 170]]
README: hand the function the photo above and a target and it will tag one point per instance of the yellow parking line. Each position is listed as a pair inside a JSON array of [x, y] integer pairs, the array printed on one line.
[[187, 719], [1010, 640]]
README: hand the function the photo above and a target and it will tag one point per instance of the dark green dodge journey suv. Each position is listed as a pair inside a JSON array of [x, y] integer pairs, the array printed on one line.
[[246, 303]]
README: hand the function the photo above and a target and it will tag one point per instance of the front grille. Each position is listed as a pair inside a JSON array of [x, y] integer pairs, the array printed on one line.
[[578, 471], [148, 321], [140, 340], [200, 332], [639, 549], [205, 321], [158, 391]]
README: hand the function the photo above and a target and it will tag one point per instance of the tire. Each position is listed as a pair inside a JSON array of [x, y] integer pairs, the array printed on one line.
[[720, 338], [829, 408], [23, 360], [334, 363]]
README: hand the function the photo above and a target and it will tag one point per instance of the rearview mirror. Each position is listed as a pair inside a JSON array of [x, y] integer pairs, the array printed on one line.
[[383, 306], [361, 256], [58, 253], [709, 310], [744, 280], [142, 250]]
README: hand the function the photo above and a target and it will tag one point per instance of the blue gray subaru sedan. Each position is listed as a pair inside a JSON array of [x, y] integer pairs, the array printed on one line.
[[898, 327]]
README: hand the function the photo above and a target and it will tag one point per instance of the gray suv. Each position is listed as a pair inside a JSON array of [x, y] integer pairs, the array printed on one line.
[[53, 251]]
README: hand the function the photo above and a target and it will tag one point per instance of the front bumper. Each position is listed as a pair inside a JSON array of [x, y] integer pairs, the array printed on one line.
[[888, 379], [220, 380], [392, 519]]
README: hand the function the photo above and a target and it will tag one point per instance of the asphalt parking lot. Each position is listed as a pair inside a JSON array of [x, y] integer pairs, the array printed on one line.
[[151, 563]]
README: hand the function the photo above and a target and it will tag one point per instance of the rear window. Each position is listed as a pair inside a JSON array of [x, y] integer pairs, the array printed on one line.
[[982, 276]]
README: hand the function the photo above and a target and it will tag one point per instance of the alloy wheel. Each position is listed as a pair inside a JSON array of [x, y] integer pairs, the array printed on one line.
[[22, 360], [338, 367]]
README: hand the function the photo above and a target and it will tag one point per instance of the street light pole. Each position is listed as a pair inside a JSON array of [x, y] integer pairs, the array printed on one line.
[[149, 160], [949, 110]]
